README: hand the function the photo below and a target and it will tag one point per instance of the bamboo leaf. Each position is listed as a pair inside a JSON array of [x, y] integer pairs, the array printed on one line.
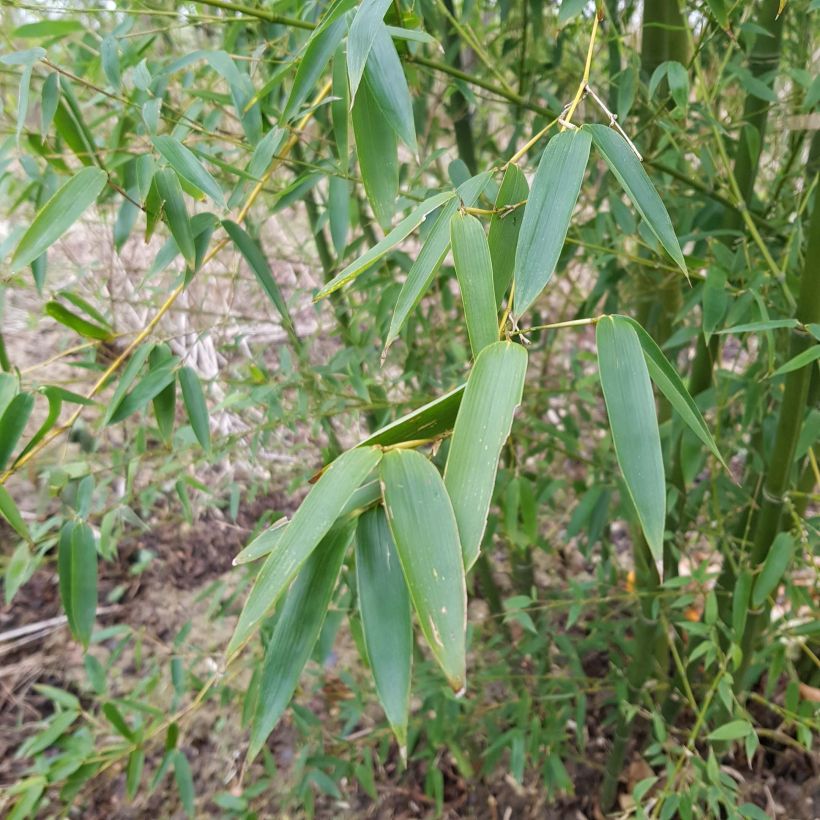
[[176, 214], [777, 561], [363, 31], [297, 629], [630, 174], [757, 327], [668, 381], [733, 730], [263, 544], [77, 566], [634, 424], [376, 149], [505, 227], [431, 255], [386, 80], [183, 161], [71, 320], [58, 215], [544, 227], [494, 390], [258, 263], [811, 354], [9, 511], [384, 603], [129, 374], [474, 270], [340, 109], [310, 524], [195, 406], [426, 535], [165, 401], [55, 404], [147, 388], [380, 249], [185, 782], [12, 423]]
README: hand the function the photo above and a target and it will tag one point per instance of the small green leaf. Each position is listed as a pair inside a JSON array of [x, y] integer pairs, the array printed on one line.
[[296, 632], [494, 390], [363, 31], [547, 215], [50, 98], [634, 424], [505, 227], [426, 535], [77, 564], [165, 401], [811, 354], [384, 603], [183, 161], [58, 215], [76, 323], [146, 389], [133, 774], [185, 782], [757, 327], [9, 511], [129, 374], [47, 28], [195, 406], [263, 544], [741, 597], [176, 214], [12, 423], [734, 730], [777, 562], [630, 174], [116, 719], [110, 60], [311, 522], [474, 270], [258, 263]]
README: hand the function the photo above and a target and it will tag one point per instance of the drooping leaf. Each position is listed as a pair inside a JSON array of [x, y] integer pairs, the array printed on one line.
[[363, 31], [777, 561], [505, 227], [297, 629], [760, 327], [77, 566], [474, 270], [9, 511], [195, 406], [55, 403], [185, 163], [310, 524], [734, 730], [129, 374], [811, 354], [376, 149], [76, 323], [630, 174], [380, 249], [58, 215], [146, 389], [547, 215], [12, 423], [258, 263], [110, 61], [384, 603], [176, 214], [634, 424], [340, 109], [424, 529], [185, 782], [494, 390], [165, 401], [50, 97], [263, 544]]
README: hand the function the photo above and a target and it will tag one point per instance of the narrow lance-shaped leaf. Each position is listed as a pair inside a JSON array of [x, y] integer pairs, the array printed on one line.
[[494, 390], [310, 524], [129, 374], [629, 172], [474, 270], [258, 263], [183, 161], [195, 406], [634, 424], [76, 323], [777, 561], [426, 535], [263, 544], [165, 401], [385, 607], [176, 214], [77, 565], [380, 249], [376, 149], [547, 216], [360, 39], [55, 404], [505, 227], [58, 215], [671, 385], [297, 629], [9, 511], [146, 389], [12, 423]]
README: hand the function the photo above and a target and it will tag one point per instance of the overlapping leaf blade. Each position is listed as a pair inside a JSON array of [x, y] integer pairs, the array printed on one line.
[[176, 214], [194, 400], [185, 163], [12, 423], [363, 31], [505, 227]]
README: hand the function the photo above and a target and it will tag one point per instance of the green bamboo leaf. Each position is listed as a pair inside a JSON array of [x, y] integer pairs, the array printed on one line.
[[376, 149], [505, 227], [133, 775], [176, 214], [70, 130], [494, 389], [55, 404], [426, 535], [258, 263], [129, 374], [12, 423], [385, 78], [58, 215], [811, 354], [146, 389], [427, 422], [116, 719], [9, 511], [183, 161], [758, 327], [77, 567], [551, 202], [296, 632], [47, 28], [263, 544], [195, 406], [71, 320], [630, 174], [671, 385], [50, 98], [340, 109], [634, 424], [382, 248], [734, 730], [165, 401], [310, 524], [740, 603], [363, 31], [110, 60], [338, 206], [474, 270], [185, 782], [777, 561], [384, 603], [432, 254]]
